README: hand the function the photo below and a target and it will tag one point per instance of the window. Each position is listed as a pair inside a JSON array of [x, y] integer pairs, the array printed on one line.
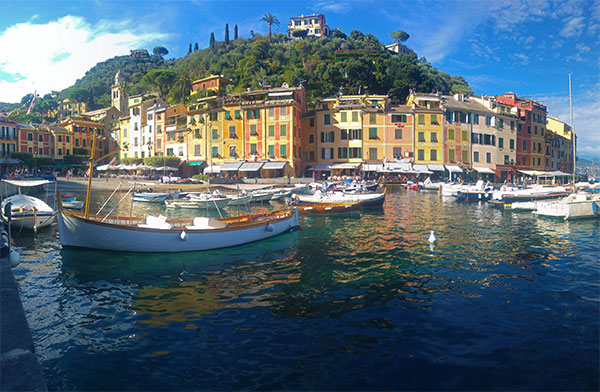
[[398, 118], [41, 151], [312, 155], [535, 129], [158, 143], [512, 125], [59, 151], [372, 118], [215, 151], [342, 152], [253, 131], [539, 162], [283, 150], [506, 161], [197, 149], [312, 122], [488, 157], [354, 116], [465, 158], [60, 139], [373, 154], [434, 119], [372, 133], [542, 131], [232, 151], [529, 129], [327, 137], [355, 134], [29, 150], [520, 127], [232, 133], [500, 123], [271, 131], [327, 119], [421, 155], [421, 136], [343, 117], [463, 117], [68, 139], [451, 156], [433, 155], [343, 134], [253, 149], [228, 115], [397, 151], [271, 112], [40, 137], [30, 136], [170, 152], [271, 150], [476, 118], [451, 134], [433, 137], [327, 153], [475, 156], [282, 111], [215, 134], [421, 119], [355, 152], [397, 134], [465, 136], [500, 142], [76, 142], [237, 114], [524, 145], [523, 160], [311, 138], [511, 143], [488, 121], [283, 130]]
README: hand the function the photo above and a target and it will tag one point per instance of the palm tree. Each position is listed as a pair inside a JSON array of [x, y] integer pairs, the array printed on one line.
[[183, 88], [271, 20]]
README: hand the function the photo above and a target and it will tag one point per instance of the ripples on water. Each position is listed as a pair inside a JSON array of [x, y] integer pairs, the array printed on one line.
[[358, 301]]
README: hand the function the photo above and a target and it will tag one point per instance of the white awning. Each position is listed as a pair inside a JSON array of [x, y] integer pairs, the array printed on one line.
[[250, 166], [371, 167], [322, 167], [485, 170], [529, 172], [396, 166], [281, 94], [436, 167], [212, 169], [552, 174], [454, 169], [421, 168], [25, 183], [347, 165], [231, 166], [274, 165]]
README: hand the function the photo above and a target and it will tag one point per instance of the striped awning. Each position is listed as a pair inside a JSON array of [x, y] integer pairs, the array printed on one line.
[[454, 169], [250, 166], [485, 170], [231, 166]]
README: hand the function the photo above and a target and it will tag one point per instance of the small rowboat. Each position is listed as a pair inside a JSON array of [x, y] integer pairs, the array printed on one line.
[[328, 208]]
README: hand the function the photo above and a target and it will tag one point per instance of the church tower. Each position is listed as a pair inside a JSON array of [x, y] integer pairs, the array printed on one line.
[[119, 96]]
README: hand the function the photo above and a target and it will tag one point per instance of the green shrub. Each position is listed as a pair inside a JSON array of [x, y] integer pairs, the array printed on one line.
[[162, 161]]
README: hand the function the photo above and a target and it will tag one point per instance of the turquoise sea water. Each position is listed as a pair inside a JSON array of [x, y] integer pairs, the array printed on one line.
[[356, 301]]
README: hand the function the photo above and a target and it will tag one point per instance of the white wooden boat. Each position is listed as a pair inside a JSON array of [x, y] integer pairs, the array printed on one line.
[[157, 234], [153, 197], [575, 206], [365, 199], [239, 200], [194, 202], [27, 211], [261, 196]]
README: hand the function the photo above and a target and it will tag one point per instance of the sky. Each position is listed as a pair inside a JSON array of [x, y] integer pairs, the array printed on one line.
[[524, 46]]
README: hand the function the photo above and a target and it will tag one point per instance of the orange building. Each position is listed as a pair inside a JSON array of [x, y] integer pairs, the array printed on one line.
[[81, 131], [213, 83]]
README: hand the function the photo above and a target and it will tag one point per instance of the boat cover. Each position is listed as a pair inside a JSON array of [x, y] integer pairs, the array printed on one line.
[[26, 183]]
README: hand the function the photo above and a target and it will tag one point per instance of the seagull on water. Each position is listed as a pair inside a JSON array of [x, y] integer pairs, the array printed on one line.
[[432, 238]]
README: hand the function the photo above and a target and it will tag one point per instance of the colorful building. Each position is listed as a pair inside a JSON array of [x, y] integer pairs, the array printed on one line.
[[563, 146], [8, 137], [213, 83], [314, 25], [428, 141], [82, 131], [141, 128], [398, 140], [71, 108]]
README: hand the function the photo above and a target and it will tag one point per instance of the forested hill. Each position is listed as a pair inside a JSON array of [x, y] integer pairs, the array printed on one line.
[[351, 64]]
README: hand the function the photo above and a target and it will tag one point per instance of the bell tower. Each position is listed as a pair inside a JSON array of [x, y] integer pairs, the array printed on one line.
[[118, 94]]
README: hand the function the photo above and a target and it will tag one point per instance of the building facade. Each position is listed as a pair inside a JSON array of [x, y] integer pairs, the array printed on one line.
[[314, 25]]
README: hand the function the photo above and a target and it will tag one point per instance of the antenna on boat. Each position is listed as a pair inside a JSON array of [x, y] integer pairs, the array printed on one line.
[[91, 173], [572, 131]]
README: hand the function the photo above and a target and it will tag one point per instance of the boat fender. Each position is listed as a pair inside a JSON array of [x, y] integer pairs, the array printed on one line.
[[183, 235], [268, 227], [15, 258]]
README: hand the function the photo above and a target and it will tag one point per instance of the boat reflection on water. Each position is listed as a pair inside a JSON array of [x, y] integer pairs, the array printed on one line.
[[180, 288]]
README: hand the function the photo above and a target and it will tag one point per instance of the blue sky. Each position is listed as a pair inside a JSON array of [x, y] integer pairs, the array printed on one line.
[[524, 46]]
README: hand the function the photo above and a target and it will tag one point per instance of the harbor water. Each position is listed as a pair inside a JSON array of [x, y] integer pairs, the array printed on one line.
[[359, 301]]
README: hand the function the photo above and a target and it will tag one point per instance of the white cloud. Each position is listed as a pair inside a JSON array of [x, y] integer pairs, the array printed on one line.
[[522, 57], [573, 27], [54, 55]]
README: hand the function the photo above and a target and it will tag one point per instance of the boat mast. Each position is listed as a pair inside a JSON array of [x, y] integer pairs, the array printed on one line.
[[91, 173], [572, 130]]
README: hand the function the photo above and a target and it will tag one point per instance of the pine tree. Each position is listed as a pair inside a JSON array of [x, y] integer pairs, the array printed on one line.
[[212, 42], [196, 47], [226, 34], [190, 48], [235, 32]]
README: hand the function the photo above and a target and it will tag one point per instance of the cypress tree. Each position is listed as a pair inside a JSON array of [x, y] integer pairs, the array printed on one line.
[[212, 41], [226, 33], [235, 32], [190, 48], [196, 47]]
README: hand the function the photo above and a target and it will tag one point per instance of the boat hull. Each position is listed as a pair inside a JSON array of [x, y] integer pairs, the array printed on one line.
[[569, 210], [28, 212], [76, 231], [328, 208], [473, 196]]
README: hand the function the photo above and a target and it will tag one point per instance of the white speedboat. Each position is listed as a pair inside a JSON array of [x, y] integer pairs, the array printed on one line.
[[575, 206], [27, 211], [365, 199]]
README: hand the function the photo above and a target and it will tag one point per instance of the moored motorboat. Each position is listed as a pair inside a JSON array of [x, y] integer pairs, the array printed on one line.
[[72, 202], [192, 202], [158, 234], [365, 199], [153, 197], [27, 211], [574, 206]]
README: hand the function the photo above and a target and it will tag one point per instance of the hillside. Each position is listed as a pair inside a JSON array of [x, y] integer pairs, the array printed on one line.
[[351, 64]]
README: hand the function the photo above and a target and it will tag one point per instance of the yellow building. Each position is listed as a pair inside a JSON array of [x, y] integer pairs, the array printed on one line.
[[428, 128], [8, 137], [314, 25], [564, 145], [70, 108], [124, 137]]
